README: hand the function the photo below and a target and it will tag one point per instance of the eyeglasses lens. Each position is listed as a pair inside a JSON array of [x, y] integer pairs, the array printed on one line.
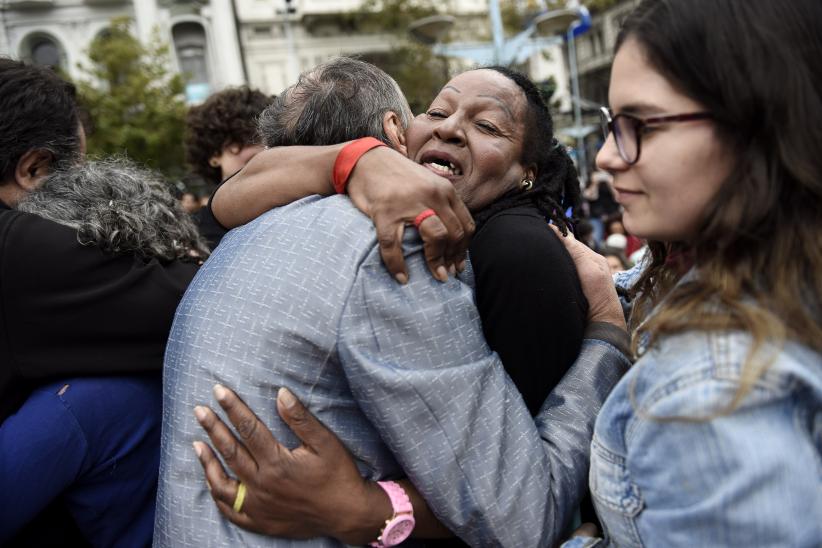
[[626, 138], [604, 123]]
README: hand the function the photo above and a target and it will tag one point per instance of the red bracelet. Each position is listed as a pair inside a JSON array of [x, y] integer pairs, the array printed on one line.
[[348, 157]]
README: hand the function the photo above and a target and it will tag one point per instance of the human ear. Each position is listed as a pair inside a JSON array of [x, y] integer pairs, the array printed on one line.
[[530, 173], [31, 168], [392, 126]]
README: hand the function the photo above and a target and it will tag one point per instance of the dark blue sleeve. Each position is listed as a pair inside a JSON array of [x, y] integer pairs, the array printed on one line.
[[42, 451]]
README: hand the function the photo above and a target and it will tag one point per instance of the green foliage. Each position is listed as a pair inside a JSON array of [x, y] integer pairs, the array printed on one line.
[[419, 73], [136, 106], [547, 88], [394, 15], [513, 18]]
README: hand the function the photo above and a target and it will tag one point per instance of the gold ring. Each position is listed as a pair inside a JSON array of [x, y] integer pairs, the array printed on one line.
[[240, 499]]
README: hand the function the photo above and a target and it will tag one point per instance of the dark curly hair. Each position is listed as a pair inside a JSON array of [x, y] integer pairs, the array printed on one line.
[[38, 110], [226, 118], [556, 187]]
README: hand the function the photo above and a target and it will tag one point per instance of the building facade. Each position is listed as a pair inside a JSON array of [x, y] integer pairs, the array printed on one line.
[[594, 56], [282, 38], [202, 34], [217, 43], [595, 51]]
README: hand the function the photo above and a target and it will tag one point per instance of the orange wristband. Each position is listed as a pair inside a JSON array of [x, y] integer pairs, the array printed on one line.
[[348, 157]]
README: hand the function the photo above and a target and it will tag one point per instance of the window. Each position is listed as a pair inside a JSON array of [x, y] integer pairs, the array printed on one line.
[[192, 58], [43, 50], [190, 44]]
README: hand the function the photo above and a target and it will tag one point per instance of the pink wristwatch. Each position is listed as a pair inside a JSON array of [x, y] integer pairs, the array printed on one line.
[[399, 527]]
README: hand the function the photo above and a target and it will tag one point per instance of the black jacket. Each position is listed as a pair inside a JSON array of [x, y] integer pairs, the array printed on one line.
[[68, 309]]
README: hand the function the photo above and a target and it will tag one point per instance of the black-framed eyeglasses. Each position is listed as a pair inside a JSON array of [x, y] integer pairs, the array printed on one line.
[[627, 129]]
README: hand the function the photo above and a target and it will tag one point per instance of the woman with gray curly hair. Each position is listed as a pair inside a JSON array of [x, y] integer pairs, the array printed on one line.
[[120, 208], [89, 436]]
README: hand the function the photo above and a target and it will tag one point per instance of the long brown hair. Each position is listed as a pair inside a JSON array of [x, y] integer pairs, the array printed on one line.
[[757, 67]]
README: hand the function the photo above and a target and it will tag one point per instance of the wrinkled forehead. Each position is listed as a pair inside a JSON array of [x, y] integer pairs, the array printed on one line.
[[489, 86]]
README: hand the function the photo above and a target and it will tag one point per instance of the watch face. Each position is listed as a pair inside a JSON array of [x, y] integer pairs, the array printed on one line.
[[397, 531]]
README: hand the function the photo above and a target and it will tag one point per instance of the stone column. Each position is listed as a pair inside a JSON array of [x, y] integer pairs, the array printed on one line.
[[145, 14], [226, 46]]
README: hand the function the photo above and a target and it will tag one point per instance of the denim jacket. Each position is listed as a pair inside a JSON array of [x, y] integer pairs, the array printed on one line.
[[751, 477]]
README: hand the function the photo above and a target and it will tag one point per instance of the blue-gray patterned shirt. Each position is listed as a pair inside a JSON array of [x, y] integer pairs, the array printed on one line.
[[300, 298]]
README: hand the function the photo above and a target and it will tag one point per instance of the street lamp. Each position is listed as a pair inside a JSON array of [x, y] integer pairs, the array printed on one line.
[[431, 30], [571, 22]]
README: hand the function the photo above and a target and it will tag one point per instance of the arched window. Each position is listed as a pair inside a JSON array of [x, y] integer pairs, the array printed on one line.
[[43, 50], [190, 45]]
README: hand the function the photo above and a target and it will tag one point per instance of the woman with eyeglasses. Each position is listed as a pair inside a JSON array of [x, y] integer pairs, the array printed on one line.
[[714, 437]]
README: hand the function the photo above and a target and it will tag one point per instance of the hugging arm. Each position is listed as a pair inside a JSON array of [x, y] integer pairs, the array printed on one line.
[[559, 445], [51, 281], [297, 493], [272, 178], [416, 361], [23, 474], [385, 185]]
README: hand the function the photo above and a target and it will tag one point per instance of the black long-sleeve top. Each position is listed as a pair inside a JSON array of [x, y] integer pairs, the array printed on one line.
[[68, 309], [529, 298]]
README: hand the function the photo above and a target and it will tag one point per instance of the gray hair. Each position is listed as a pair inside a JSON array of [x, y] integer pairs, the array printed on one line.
[[120, 208], [337, 101]]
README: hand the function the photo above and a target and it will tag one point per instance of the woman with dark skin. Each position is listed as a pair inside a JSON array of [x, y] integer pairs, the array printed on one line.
[[515, 256]]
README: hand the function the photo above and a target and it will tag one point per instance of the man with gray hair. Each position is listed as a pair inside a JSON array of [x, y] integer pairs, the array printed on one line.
[[333, 103], [299, 298]]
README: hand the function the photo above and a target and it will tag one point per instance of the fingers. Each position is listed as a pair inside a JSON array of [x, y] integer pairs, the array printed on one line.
[[567, 239], [389, 237], [253, 433], [222, 487], [586, 530], [434, 236], [314, 435], [596, 281], [575, 248], [235, 455], [449, 235], [237, 518], [468, 227], [463, 215]]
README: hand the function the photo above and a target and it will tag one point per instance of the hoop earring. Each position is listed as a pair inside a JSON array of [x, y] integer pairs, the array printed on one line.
[[526, 184]]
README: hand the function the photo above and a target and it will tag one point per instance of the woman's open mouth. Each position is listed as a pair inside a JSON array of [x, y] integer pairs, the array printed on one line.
[[441, 164]]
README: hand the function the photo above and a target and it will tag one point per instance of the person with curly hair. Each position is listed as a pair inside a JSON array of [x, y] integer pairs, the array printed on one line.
[[221, 137]]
